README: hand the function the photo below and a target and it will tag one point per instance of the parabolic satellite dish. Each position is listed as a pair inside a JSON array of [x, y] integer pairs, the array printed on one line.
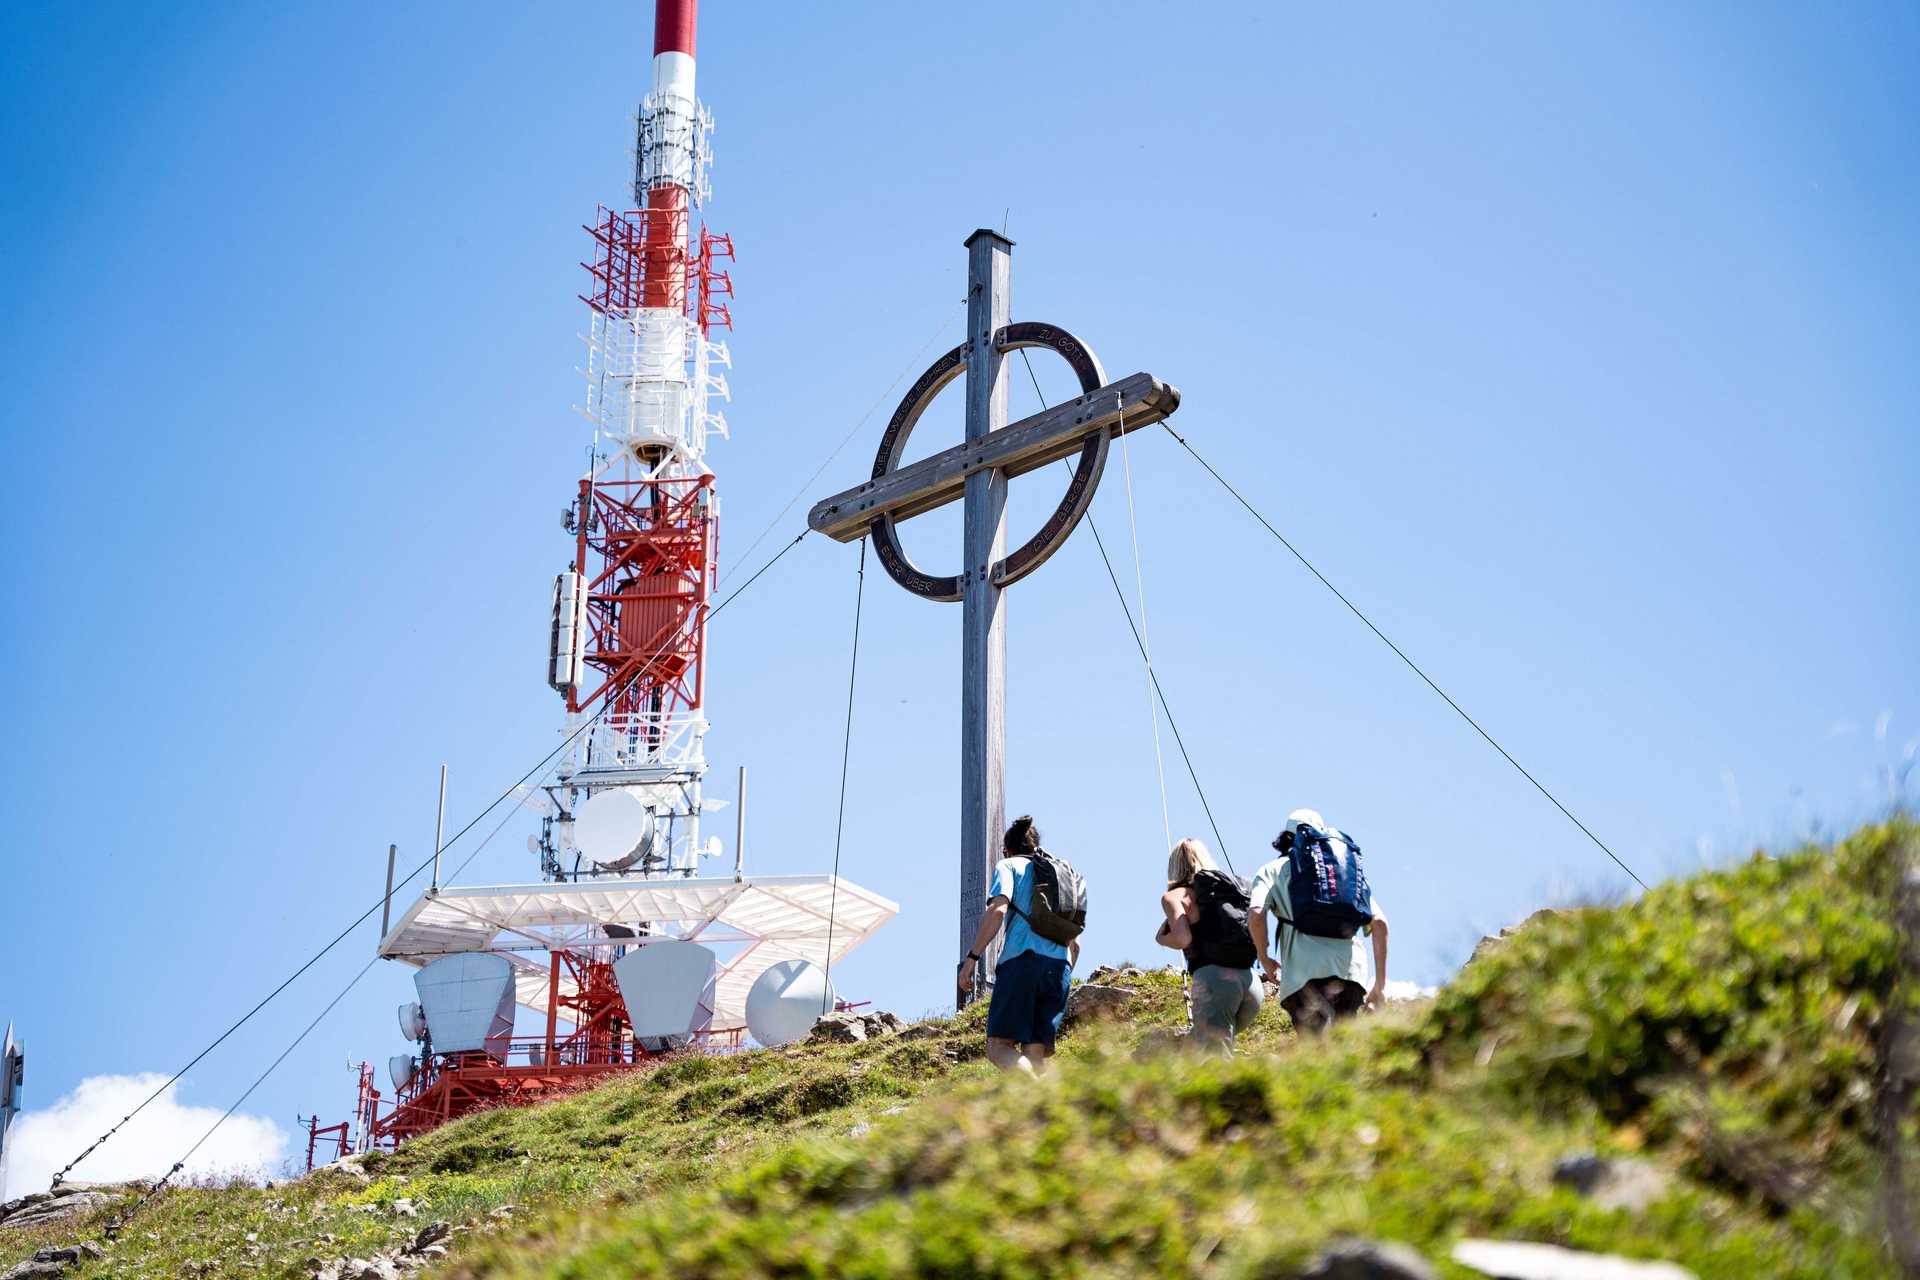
[[786, 1001], [400, 1069], [614, 828], [413, 1020]]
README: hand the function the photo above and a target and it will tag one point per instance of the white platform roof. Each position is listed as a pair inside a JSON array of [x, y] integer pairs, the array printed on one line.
[[753, 923]]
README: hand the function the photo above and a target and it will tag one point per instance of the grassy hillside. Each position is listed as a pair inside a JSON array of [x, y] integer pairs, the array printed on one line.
[[1721, 1029]]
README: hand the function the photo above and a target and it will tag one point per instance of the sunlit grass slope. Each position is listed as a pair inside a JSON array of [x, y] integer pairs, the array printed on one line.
[[1721, 1027]]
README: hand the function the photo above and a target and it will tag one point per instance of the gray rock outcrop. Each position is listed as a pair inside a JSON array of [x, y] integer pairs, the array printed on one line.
[[48, 1264], [1493, 940], [1092, 1001], [1614, 1182], [70, 1200], [852, 1028], [1106, 971]]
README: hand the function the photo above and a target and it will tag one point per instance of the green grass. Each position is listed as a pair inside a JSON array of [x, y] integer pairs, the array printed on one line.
[[1722, 1026], [1124, 1166], [1742, 1001]]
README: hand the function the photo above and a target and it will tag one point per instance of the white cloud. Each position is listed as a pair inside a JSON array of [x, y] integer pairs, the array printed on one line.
[[1401, 989], [43, 1139]]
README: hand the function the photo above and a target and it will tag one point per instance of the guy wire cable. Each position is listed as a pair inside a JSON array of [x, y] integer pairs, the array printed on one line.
[[402, 883], [1178, 741], [362, 918], [1121, 594], [846, 754], [802, 491], [1411, 665], [120, 1220]]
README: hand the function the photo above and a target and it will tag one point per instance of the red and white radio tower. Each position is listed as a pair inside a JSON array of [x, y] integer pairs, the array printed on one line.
[[623, 950], [629, 618]]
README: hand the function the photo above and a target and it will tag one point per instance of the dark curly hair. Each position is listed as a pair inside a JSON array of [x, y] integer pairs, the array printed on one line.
[[1022, 838]]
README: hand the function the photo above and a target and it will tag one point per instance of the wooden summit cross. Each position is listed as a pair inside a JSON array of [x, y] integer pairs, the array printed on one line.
[[977, 473]]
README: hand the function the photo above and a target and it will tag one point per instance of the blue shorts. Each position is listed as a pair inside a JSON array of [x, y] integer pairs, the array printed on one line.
[[1029, 998]]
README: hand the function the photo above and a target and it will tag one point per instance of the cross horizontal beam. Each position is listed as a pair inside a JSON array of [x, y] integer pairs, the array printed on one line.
[[1135, 401]]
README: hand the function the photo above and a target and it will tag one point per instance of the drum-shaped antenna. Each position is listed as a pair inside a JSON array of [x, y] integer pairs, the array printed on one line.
[[614, 828], [785, 1002], [400, 1069], [413, 1020], [668, 990], [468, 1000]]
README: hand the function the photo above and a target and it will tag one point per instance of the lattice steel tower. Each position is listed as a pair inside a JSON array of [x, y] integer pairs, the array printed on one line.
[[628, 647]]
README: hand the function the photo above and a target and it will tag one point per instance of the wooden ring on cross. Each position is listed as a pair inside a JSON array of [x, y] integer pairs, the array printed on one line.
[[1073, 503]]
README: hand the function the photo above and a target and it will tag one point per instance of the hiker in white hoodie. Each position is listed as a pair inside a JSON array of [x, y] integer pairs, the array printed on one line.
[[1317, 971]]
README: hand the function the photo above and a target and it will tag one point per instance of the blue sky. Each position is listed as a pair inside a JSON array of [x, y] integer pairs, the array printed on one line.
[[1574, 342]]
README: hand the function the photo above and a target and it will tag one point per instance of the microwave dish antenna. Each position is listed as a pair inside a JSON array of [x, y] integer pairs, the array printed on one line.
[[785, 1002], [468, 1000], [615, 829], [668, 990], [413, 1021]]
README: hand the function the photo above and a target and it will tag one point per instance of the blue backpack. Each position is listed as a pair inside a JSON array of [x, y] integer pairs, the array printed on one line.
[[1326, 884]]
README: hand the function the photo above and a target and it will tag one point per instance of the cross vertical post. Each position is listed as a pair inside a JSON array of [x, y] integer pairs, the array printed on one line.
[[976, 473], [983, 662]]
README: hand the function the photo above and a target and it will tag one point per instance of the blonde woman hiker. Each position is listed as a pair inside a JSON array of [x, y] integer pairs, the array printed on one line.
[[1317, 890], [1206, 910]]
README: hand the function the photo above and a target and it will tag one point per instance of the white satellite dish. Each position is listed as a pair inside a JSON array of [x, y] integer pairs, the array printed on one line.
[[614, 828], [400, 1069], [413, 1020], [786, 1001], [668, 990]]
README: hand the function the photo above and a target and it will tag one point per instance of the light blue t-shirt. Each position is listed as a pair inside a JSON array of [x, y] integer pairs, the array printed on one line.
[[1013, 880]]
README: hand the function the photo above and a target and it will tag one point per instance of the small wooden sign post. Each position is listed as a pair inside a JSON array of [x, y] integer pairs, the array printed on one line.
[[976, 473]]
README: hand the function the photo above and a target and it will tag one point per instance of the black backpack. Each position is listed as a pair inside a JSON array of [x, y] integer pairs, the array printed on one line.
[[1058, 908], [1220, 934]]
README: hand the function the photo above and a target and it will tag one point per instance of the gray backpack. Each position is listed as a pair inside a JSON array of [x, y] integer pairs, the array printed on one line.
[[1058, 908]]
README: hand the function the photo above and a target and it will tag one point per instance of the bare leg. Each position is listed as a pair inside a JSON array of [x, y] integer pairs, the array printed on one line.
[[1007, 1055], [1036, 1057]]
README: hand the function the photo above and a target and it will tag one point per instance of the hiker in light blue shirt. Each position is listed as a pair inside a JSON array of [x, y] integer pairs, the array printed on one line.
[[1030, 982]]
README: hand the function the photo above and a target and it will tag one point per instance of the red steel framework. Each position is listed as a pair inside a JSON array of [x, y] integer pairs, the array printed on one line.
[[318, 1133], [713, 287], [641, 260], [532, 1068], [365, 1107], [644, 549]]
